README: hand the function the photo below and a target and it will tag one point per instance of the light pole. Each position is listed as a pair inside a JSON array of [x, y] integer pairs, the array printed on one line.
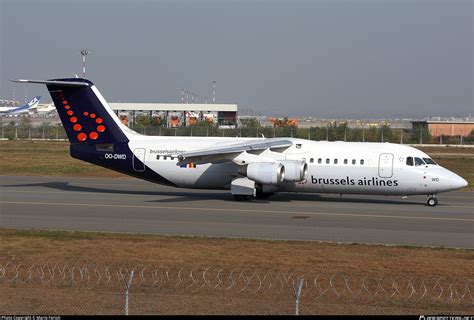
[[84, 53], [214, 91], [363, 132]]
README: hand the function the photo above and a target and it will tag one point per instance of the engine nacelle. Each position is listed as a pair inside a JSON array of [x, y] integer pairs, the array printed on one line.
[[295, 170], [264, 172]]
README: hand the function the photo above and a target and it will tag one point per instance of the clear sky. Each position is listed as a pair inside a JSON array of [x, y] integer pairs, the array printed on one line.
[[331, 58]]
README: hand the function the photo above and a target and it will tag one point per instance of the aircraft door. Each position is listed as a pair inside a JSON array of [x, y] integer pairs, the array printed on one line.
[[139, 159], [386, 165]]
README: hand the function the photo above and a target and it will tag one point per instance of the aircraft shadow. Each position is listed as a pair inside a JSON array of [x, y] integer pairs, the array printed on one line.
[[180, 196], [287, 197]]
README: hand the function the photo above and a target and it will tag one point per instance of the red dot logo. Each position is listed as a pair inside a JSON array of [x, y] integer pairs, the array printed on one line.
[[99, 120], [100, 128], [82, 136], [70, 113], [67, 107], [93, 135], [64, 102], [92, 115], [73, 119], [77, 127], [86, 113]]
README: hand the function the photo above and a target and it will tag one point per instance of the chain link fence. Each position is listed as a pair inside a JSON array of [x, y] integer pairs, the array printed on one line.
[[93, 288], [26, 130]]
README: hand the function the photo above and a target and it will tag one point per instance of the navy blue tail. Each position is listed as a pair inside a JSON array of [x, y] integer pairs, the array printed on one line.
[[85, 114], [95, 132]]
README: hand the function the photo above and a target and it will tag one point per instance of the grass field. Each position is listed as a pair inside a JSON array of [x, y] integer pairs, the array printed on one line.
[[65, 246], [189, 253]]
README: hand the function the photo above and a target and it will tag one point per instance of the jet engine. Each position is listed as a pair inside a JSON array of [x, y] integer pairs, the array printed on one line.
[[264, 172], [295, 170]]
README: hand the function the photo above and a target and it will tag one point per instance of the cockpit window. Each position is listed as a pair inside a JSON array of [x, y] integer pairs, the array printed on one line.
[[419, 162], [410, 161], [429, 161]]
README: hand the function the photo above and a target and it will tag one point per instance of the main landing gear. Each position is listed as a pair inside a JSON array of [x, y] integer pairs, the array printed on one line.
[[432, 201]]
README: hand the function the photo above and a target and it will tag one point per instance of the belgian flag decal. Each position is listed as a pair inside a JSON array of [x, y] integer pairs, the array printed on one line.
[[189, 165]]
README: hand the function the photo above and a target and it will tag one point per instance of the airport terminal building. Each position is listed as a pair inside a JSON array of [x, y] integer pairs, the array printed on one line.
[[449, 127], [173, 115]]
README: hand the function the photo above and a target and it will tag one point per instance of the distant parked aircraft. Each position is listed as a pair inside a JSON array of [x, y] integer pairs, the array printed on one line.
[[45, 109], [33, 104]]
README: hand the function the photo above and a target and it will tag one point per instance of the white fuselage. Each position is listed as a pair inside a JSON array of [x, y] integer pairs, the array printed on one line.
[[333, 167]]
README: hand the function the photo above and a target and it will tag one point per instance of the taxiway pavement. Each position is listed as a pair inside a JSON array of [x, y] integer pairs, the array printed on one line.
[[130, 205]]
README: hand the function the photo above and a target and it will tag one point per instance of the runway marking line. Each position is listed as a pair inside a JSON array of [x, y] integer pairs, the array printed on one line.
[[236, 210], [121, 194]]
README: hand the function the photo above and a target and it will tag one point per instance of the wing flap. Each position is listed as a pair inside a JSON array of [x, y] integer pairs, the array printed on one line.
[[227, 152]]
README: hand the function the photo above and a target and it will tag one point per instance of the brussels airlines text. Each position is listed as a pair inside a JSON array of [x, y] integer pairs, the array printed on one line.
[[352, 182]]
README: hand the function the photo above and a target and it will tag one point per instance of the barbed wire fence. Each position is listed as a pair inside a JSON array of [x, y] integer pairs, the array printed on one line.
[[93, 288]]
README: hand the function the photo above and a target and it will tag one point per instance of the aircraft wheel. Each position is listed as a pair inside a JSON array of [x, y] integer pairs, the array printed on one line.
[[432, 202], [241, 197]]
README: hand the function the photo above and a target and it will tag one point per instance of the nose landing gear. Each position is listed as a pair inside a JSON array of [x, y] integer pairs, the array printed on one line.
[[432, 201]]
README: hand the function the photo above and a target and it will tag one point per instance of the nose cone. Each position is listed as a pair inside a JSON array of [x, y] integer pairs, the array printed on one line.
[[457, 182], [461, 183], [448, 180]]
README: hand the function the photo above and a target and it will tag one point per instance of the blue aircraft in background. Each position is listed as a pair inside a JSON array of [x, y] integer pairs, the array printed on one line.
[[33, 104]]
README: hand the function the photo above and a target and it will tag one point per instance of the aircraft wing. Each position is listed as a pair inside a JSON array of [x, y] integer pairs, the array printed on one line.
[[224, 152]]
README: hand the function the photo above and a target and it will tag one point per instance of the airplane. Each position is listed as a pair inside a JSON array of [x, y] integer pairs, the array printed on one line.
[[248, 167], [33, 104], [46, 109]]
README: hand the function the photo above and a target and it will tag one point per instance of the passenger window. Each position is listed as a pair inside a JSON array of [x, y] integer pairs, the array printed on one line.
[[298, 146], [361, 161], [410, 161], [165, 157], [345, 161], [311, 160], [353, 161], [327, 160], [419, 162], [158, 157], [172, 158], [320, 160], [335, 161]]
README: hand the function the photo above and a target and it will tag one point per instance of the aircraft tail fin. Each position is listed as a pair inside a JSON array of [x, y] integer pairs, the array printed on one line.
[[86, 116], [34, 102]]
